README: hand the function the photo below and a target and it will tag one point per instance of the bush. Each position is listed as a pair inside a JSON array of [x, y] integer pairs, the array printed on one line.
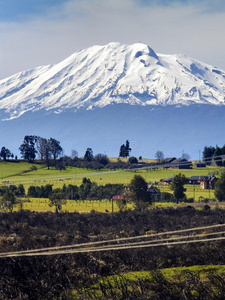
[[132, 160]]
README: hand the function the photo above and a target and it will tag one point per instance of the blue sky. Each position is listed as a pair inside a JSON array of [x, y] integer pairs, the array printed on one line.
[[21, 10], [40, 32]]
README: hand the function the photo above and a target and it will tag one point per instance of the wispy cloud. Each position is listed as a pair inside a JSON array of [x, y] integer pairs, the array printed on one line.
[[53, 32]]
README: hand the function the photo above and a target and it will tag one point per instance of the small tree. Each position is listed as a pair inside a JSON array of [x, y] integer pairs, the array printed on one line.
[[88, 154], [102, 158], [54, 148], [43, 147], [74, 154], [159, 156], [132, 160], [220, 188], [139, 192], [5, 153], [56, 199], [177, 186], [8, 200]]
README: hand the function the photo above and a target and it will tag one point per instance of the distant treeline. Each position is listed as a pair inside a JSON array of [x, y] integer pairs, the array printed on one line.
[[213, 153], [87, 190]]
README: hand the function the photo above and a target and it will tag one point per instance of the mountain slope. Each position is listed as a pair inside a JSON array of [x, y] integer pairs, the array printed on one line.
[[114, 73], [173, 130], [152, 95]]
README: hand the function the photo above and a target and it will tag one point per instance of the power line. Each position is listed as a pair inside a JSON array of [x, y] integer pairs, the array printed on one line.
[[97, 246]]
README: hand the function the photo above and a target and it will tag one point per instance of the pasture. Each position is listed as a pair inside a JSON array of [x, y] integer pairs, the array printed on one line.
[[15, 173], [81, 206], [25, 173]]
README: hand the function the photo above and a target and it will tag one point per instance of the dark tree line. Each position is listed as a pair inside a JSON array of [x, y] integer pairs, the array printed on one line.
[[87, 190], [213, 153], [46, 148]]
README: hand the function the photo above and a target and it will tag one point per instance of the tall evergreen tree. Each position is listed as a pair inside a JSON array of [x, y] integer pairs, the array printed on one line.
[[88, 154], [125, 150], [122, 151]]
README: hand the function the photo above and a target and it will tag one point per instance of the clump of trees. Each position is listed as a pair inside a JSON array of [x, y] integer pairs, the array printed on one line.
[[5, 153], [87, 190], [213, 153], [125, 150], [9, 196], [46, 148]]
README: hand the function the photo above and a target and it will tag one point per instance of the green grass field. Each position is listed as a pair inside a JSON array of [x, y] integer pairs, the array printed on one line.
[[22, 173], [85, 206], [172, 272], [122, 283]]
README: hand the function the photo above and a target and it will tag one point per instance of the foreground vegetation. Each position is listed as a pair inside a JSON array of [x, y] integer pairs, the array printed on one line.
[[39, 182], [198, 282], [145, 273], [59, 276]]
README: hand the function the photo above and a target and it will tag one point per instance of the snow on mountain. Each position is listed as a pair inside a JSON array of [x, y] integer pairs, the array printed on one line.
[[114, 73]]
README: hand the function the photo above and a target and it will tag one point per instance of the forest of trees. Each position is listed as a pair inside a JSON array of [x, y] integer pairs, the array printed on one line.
[[213, 153]]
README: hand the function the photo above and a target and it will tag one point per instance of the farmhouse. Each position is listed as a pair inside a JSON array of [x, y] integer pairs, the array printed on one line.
[[181, 163], [205, 182], [153, 191], [117, 197], [208, 182], [200, 164], [167, 161], [166, 180]]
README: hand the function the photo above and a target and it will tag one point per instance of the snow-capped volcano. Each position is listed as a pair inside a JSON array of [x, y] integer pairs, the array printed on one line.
[[114, 73]]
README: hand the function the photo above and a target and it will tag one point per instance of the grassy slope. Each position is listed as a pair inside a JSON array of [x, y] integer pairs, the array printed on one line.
[[173, 275], [16, 173], [171, 272], [20, 172]]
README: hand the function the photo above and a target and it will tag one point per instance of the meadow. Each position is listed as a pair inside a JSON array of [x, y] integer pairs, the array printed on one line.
[[27, 174], [81, 206], [37, 174], [195, 282]]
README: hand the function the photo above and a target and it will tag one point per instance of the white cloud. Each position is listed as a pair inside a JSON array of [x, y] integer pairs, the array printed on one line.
[[79, 24]]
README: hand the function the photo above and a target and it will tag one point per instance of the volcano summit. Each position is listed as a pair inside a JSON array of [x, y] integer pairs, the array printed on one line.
[[100, 96]]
